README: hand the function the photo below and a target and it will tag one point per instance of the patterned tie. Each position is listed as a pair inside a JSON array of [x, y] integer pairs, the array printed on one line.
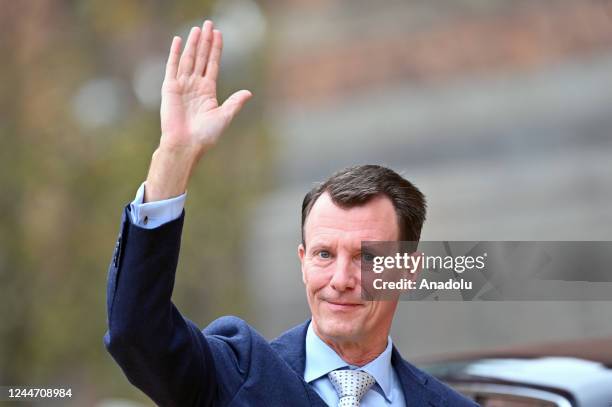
[[351, 385]]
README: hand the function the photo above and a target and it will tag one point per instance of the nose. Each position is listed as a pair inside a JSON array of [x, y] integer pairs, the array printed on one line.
[[346, 274]]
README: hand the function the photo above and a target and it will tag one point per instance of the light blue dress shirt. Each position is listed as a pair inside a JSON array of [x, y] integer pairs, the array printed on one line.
[[153, 214], [320, 358]]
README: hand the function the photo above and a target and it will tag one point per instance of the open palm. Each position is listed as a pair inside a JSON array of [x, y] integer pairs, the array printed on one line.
[[191, 116]]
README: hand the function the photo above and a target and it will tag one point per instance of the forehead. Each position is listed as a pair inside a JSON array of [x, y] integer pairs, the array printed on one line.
[[374, 220]]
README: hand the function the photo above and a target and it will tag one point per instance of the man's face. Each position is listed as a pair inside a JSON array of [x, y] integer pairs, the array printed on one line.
[[331, 268]]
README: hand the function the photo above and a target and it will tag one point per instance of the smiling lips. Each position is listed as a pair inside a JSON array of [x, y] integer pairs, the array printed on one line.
[[342, 306]]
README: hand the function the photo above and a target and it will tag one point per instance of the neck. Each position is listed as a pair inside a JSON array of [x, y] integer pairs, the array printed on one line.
[[356, 353]]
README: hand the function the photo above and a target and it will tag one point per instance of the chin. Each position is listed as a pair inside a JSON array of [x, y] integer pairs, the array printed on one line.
[[337, 327]]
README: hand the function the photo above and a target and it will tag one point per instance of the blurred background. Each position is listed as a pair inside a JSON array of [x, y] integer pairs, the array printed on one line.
[[498, 110]]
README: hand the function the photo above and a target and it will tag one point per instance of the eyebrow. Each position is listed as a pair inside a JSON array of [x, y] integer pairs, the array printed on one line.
[[319, 244], [324, 244]]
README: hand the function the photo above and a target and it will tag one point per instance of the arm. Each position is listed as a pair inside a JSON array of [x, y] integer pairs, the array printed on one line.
[[161, 352], [191, 118]]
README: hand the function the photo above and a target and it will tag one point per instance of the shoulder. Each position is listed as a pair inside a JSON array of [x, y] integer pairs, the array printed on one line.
[[235, 348], [450, 396], [229, 326], [234, 338], [238, 339]]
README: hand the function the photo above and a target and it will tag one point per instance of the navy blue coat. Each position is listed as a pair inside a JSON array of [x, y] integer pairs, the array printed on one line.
[[226, 364]]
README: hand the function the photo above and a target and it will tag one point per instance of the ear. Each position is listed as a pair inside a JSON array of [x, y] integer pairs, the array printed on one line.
[[301, 252]]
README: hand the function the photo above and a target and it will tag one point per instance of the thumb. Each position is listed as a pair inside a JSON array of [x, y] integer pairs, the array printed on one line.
[[234, 103]]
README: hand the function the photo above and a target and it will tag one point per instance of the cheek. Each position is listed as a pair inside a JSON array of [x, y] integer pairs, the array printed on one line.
[[377, 309], [315, 278], [381, 311]]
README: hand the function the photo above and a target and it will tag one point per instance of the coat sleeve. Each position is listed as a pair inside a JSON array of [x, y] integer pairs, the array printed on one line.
[[160, 352]]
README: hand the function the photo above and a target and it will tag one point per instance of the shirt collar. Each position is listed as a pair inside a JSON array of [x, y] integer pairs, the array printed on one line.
[[321, 359]]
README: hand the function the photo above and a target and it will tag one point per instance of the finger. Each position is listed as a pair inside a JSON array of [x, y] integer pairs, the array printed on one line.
[[188, 57], [204, 46], [173, 58], [212, 67], [234, 103]]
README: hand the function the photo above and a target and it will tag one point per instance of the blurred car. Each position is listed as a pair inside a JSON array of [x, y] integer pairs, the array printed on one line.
[[567, 374]]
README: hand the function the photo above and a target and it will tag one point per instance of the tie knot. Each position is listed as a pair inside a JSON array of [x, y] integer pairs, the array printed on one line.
[[351, 385]]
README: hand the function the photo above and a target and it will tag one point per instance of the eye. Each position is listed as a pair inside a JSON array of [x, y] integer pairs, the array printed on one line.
[[367, 257], [324, 254]]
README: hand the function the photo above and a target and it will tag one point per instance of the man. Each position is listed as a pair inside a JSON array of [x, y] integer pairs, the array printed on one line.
[[342, 357]]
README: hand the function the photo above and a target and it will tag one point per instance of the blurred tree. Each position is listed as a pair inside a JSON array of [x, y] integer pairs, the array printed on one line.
[[64, 186]]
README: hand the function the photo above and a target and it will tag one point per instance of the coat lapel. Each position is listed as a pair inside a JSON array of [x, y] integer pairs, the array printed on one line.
[[291, 347]]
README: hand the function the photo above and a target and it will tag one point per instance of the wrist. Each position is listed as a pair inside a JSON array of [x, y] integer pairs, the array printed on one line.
[[178, 145], [169, 173]]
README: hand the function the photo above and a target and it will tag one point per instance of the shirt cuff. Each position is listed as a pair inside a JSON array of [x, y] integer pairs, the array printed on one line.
[[154, 214]]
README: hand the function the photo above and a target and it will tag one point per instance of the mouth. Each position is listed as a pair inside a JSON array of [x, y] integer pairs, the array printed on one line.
[[342, 306]]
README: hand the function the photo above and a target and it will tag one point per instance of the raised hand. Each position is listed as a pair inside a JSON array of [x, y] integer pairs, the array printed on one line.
[[190, 113], [191, 118]]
